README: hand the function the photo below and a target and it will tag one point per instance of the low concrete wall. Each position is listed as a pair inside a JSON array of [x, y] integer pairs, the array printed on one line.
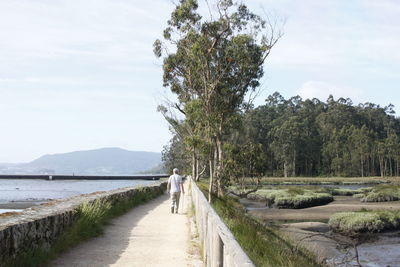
[[40, 226], [220, 247]]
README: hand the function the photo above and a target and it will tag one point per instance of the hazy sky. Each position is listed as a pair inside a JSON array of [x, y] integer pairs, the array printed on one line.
[[81, 74]]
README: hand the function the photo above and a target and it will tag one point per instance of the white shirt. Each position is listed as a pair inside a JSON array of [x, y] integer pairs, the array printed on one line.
[[175, 181]]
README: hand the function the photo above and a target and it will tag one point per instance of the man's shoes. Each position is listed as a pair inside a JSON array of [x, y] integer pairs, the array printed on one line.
[[172, 210]]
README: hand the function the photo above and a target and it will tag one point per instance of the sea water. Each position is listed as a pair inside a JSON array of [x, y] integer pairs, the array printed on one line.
[[16, 193]]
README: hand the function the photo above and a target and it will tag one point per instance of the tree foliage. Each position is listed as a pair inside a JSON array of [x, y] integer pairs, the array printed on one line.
[[210, 64], [310, 137]]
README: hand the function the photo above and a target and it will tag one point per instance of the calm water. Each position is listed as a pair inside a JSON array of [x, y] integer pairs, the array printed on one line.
[[12, 190]]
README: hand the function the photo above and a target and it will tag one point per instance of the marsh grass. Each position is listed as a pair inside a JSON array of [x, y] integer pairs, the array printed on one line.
[[92, 216], [364, 221], [265, 245], [342, 191], [327, 180], [336, 191], [292, 198], [380, 193]]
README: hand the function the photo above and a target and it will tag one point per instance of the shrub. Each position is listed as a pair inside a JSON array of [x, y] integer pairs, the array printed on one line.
[[382, 193], [303, 201], [354, 223], [359, 195], [343, 192], [379, 197], [337, 191], [291, 198], [365, 189]]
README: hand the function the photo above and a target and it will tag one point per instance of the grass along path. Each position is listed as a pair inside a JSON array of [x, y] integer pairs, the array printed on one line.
[[148, 235]]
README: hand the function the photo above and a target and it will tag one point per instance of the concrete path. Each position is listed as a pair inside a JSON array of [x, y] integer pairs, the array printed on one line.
[[148, 235]]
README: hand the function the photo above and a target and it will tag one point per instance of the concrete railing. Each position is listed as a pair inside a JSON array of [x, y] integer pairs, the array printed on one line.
[[220, 247]]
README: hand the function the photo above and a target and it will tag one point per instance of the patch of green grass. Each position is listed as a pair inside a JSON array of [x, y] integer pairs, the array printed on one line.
[[92, 216], [381, 193], [291, 198], [265, 245], [364, 221]]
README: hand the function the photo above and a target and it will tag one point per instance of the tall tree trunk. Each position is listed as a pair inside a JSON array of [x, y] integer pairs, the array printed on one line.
[[213, 174], [390, 166], [197, 170], [306, 170], [215, 161], [373, 169], [285, 171], [381, 165], [362, 167], [294, 164], [194, 164], [337, 167], [385, 168], [210, 187], [220, 168]]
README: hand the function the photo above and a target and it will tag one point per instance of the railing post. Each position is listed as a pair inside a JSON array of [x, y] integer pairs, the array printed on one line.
[[218, 250]]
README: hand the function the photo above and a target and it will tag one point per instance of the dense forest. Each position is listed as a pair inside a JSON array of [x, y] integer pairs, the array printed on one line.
[[296, 137]]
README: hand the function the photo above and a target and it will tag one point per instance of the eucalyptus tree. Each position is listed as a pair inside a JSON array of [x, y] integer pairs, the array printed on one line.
[[211, 61], [360, 144], [286, 135], [245, 166], [174, 155], [311, 137]]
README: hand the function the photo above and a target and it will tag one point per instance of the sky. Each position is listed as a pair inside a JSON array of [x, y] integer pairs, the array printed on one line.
[[78, 75]]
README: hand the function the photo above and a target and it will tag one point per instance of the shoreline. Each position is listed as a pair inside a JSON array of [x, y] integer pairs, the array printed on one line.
[[20, 204]]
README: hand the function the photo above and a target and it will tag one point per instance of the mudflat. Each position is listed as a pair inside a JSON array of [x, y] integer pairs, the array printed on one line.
[[319, 213]]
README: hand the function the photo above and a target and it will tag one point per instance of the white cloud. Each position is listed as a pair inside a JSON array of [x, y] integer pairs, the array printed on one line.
[[71, 28], [323, 36], [322, 90], [7, 80]]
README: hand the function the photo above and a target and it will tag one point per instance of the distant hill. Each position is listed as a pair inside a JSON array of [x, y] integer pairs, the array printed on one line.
[[104, 161]]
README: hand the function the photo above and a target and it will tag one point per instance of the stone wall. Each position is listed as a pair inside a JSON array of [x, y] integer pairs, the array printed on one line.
[[220, 247], [40, 226]]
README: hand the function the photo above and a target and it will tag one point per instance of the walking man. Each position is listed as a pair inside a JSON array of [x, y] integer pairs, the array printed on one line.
[[175, 187]]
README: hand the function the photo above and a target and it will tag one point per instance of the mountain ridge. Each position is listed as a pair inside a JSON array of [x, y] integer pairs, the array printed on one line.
[[102, 161]]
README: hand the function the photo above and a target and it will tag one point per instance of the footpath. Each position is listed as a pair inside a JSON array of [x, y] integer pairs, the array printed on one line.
[[148, 235]]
